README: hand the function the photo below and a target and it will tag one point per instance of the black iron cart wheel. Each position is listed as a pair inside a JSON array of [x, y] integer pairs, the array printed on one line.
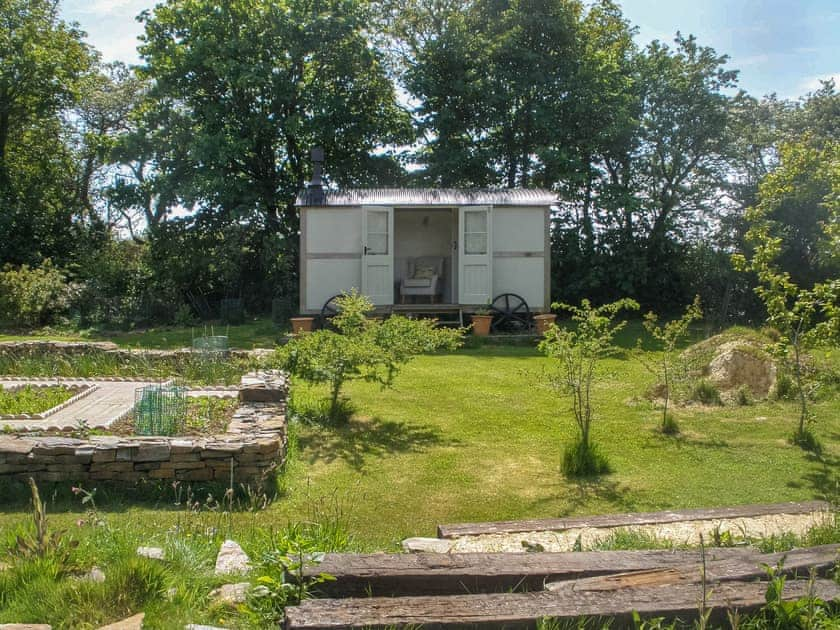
[[510, 313], [329, 310]]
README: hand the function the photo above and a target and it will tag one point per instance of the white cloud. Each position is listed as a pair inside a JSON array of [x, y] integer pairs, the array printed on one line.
[[101, 7], [813, 83]]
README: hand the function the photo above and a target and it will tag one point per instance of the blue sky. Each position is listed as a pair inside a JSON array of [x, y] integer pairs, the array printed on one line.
[[781, 46]]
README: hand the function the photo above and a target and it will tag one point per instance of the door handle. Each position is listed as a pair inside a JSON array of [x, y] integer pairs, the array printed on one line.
[[366, 250]]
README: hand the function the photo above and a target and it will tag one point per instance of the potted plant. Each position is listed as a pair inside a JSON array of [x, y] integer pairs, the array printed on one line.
[[301, 324], [481, 320], [544, 322]]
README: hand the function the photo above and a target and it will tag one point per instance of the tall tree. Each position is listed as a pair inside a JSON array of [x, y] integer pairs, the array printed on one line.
[[259, 82], [43, 62]]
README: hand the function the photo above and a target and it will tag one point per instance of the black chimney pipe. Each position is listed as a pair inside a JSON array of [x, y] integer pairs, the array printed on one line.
[[315, 195]]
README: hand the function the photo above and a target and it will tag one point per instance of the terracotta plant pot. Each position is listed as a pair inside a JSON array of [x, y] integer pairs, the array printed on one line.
[[544, 322], [481, 325], [302, 324]]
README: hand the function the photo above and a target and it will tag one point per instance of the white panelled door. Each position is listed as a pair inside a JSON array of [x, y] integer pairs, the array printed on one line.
[[378, 254], [475, 255]]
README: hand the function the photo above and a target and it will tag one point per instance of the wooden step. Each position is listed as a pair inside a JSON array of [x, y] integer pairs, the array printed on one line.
[[357, 575], [523, 610], [631, 519]]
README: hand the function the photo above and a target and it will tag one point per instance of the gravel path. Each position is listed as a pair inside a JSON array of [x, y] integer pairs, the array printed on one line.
[[682, 533]]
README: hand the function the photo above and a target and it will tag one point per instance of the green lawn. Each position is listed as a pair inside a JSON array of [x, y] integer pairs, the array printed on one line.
[[474, 436], [255, 333]]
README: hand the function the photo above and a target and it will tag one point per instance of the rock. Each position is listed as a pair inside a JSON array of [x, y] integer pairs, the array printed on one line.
[[260, 591], [153, 553], [737, 364], [132, 623], [231, 593], [427, 545], [232, 559], [95, 575]]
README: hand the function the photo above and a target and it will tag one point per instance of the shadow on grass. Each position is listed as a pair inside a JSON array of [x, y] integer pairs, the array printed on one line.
[[359, 440], [587, 491], [823, 478], [582, 495]]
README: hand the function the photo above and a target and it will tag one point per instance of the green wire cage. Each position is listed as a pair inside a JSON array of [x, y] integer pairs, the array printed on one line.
[[160, 410], [211, 346]]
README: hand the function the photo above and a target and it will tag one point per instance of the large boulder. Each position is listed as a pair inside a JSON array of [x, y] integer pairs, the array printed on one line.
[[738, 364]]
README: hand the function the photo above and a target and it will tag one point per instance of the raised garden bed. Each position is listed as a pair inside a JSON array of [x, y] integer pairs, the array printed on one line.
[[247, 451], [204, 416], [37, 402]]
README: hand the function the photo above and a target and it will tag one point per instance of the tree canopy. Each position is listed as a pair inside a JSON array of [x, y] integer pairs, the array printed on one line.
[[181, 173]]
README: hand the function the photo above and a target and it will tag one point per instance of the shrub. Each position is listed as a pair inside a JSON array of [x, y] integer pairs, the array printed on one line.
[[584, 460], [576, 354], [671, 366], [785, 387], [807, 440], [705, 392], [362, 348], [744, 396], [669, 425], [32, 296]]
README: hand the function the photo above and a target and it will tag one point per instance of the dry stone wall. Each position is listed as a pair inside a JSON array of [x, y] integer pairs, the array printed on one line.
[[251, 449], [78, 348]]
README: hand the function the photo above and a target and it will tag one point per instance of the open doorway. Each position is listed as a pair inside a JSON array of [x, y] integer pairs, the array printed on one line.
[[425, 255]]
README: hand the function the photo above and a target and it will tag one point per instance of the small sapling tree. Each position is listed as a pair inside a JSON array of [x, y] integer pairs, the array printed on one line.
[[668, 367], [361, 348], [805, 317], [576, 352]]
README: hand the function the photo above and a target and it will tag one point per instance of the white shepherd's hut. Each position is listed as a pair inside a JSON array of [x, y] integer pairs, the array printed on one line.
[[432, 250]]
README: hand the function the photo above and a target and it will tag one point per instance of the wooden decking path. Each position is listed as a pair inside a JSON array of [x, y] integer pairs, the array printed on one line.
[[517, 590], [523, 610], [396, 575]]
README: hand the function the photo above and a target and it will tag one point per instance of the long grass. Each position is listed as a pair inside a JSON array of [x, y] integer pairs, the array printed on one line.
[[193, 369], [31, 400]]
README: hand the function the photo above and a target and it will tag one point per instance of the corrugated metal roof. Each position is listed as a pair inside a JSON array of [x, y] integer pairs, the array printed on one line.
[[427, 197]]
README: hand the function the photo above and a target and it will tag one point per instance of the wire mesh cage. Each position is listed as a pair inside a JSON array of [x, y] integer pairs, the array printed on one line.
[[211, 346], [160, 410]]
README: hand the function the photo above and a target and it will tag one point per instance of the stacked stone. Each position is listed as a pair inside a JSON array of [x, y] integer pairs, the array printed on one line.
[[252, 448]]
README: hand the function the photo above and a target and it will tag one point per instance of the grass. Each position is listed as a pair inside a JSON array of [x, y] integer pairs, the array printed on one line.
[[191, 369], [473, 436], [256, 333], [469, 436], [31, 400]]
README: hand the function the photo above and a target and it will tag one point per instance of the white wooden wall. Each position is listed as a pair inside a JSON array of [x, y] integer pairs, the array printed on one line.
[[331, 254], [519, 253]]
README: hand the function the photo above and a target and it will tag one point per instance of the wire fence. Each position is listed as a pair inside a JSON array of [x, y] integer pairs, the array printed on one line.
[[160, 410]]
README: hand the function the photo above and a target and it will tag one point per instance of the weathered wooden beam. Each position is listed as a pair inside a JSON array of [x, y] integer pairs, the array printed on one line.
[[452, 574], [798, 563], [630, 519], [522, 610]]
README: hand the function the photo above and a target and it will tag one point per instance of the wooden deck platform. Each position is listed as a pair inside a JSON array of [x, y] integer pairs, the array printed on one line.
[[671, 587]]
